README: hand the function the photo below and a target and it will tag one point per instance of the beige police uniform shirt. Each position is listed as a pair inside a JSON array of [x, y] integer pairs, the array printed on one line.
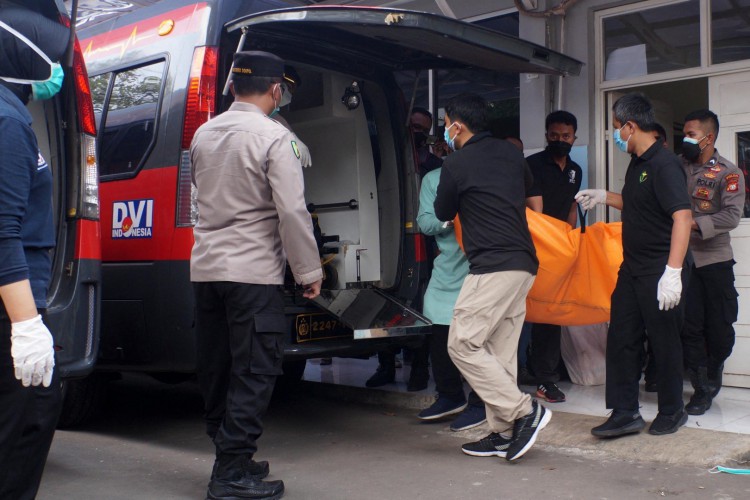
[[252, 216], [717, 196]]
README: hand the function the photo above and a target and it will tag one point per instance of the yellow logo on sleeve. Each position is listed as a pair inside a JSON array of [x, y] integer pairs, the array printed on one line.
[[295, 149]]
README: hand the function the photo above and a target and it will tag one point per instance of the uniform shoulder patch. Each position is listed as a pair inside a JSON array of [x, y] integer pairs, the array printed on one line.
[[733, 182], [295, 148]]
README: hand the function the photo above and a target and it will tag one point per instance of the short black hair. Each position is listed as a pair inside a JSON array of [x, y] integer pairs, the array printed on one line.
[[563, 117], [706, 117], [253, 85], [660, 131], [421, 111], [469, 109], [635, 107]]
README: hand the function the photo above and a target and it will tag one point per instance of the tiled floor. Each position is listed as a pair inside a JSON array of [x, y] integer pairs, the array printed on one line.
[[730, 411]]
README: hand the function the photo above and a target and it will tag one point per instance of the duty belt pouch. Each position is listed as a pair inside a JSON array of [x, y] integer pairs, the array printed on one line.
[[268, 344]]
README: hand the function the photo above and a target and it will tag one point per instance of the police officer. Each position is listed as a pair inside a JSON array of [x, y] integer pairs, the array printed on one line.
[[29, 386], [252, 214], [717, 195]]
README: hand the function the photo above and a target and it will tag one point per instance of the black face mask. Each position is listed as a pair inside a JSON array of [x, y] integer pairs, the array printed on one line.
[[691, 151], [420, 139], [559, 149]]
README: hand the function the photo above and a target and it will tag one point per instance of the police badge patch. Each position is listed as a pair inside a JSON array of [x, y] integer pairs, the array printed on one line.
[[733, 182], [705, 205]]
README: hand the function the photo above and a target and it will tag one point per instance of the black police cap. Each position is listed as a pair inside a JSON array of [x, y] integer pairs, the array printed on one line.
[[258, 63]]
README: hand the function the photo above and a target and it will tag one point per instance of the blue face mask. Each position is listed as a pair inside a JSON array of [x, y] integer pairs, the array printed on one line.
[[447, 136], [50, 87], [622, 145], [277, 107]]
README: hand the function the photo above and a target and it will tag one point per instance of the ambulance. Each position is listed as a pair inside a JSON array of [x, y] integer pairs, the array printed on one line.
[[158, 70]]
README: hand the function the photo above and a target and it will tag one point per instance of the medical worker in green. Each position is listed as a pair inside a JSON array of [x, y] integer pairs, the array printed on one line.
[[450, 269]]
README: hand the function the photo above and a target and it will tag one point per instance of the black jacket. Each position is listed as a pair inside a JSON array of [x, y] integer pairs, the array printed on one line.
[[485, 183]]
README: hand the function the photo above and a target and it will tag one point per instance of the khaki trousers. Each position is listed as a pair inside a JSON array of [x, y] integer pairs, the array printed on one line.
[[483, 341]]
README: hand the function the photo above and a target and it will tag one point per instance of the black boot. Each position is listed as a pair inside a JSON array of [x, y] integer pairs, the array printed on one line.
[[235, 478], [715, 376], [700, 402], [386, 372]]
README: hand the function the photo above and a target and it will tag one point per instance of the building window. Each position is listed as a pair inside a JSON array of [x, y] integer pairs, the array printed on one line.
[[730, 30], [656, 40]]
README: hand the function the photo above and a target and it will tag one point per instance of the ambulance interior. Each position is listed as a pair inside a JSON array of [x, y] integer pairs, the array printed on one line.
[[352, 189]]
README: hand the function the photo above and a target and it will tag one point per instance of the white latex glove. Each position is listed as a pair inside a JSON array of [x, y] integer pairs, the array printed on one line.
[[32, 351], [304, 154], [669, 289], [589, 198]]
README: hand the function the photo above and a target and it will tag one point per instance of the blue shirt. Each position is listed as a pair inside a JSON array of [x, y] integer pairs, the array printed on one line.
[[26, 227]]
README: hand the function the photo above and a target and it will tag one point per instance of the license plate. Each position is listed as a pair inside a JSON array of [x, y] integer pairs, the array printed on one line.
[[319, 326]]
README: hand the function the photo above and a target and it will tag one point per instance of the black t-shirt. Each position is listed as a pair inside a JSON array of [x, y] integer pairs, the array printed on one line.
[[556, 187], [655, 188], [485, 182]]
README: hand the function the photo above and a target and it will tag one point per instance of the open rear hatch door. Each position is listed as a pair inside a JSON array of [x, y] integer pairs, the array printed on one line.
[[372, 313], [366, 40], [399, 40]]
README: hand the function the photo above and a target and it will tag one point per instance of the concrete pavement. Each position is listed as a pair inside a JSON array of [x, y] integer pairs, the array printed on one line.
[[150, 445]]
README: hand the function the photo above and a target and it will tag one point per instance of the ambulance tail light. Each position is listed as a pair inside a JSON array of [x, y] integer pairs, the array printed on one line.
[[187, 204], [420, 248], [89, 206], [200, 106], [89, 178]]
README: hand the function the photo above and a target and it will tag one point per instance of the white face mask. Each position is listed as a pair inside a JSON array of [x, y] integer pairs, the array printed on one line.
[[33, 47]]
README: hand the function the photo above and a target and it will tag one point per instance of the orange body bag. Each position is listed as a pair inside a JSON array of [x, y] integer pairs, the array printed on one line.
[[577, 270]]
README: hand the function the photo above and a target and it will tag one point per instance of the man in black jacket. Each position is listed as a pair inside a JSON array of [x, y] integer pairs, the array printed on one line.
[[485, 182]]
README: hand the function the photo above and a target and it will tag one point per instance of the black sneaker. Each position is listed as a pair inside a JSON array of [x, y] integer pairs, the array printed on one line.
[[620, 423], [667, 424], [526, 429], [442, 407], [492, 445], [550, 393]]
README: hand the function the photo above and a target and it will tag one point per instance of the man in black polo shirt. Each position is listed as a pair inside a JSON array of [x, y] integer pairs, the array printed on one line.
[[557, 179], [656, 220], [484, 182]]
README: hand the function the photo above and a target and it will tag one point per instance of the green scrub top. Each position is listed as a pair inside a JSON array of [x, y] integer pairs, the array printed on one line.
[[450, 267]]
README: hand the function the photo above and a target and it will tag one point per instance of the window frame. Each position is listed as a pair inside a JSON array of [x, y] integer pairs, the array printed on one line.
[[705, 69], [113, 72]]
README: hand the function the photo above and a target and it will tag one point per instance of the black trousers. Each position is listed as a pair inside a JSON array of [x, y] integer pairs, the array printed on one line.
[[635, 313], [545, 352], [448, 382], [240, 345], [28, 416], [712, 308]]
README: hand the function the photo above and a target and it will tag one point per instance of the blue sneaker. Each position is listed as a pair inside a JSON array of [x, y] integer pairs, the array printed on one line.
[[471, 417], [442, 407]]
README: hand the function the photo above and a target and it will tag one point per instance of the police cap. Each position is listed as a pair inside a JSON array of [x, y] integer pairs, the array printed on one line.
[[258, 63]]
